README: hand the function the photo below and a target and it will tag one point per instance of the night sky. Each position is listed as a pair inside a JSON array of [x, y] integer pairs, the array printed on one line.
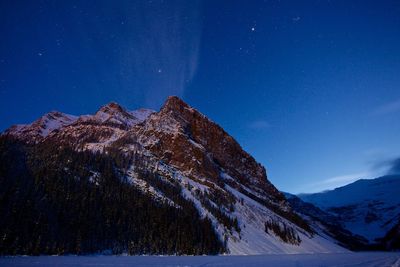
[[310, 88]]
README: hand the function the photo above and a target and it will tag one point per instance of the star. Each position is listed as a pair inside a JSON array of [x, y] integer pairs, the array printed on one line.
[[159, 70], [40, 54], [253, 29]]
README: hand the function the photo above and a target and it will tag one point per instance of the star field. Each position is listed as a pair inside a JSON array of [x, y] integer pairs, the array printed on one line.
[[310, 89]]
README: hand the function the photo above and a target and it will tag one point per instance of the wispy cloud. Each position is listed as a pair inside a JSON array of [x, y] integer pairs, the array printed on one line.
[[343, 178], [336, 181], [387, 108], [161, 56], [259, 125], [378, 168]]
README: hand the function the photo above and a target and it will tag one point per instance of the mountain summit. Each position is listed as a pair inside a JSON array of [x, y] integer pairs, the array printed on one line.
[[39, 129], [142, 181]]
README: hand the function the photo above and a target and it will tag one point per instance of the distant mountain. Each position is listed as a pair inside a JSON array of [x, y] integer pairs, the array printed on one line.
[[369, 208], [326, 224], [141, 182]]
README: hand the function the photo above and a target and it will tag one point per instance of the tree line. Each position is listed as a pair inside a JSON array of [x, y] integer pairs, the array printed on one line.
[[49, 204]]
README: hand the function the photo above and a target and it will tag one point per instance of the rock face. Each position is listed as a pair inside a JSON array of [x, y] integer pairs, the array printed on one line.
[[185, 138], [186, 149]]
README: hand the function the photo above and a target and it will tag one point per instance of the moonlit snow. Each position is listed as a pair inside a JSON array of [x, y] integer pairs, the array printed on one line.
[[370, 259]]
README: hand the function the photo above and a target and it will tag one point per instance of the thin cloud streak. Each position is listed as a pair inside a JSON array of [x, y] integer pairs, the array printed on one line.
[[388, 108], [162, 57], [336, 181], [378, 169]]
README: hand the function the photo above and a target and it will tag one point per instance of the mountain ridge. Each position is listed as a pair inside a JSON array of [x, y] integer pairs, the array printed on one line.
[[367, 207], [154, 154]]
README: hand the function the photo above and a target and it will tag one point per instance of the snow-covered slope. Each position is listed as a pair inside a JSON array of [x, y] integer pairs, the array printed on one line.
[[114, 114], [183, 147], [253, 239], [41, 128], [326, 224], [369, 259], [369, 208], [85, 132]]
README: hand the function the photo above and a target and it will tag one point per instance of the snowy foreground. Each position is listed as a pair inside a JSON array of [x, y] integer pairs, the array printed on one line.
[[309, 260]]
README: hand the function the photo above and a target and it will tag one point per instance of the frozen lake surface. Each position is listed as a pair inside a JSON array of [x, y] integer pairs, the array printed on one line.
[[310, 260]]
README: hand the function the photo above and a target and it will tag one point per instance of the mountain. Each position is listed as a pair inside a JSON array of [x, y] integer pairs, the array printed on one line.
[[37, 130], [141, 182], [326, 224], [368, 208]]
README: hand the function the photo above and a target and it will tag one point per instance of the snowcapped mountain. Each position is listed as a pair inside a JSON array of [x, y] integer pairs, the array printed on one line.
[[326, 224], [174, 159], [41, 128], [115, 115], [369, 208]]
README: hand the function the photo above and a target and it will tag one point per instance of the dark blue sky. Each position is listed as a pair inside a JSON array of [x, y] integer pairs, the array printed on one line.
[[310, 88]]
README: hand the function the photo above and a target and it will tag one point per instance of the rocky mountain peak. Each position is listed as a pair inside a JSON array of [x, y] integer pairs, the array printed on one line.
[[42, 127], [175, 108], [201, 147], [114, 114], [111, 108], [54, 114], [174, 103], [113, 111]]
